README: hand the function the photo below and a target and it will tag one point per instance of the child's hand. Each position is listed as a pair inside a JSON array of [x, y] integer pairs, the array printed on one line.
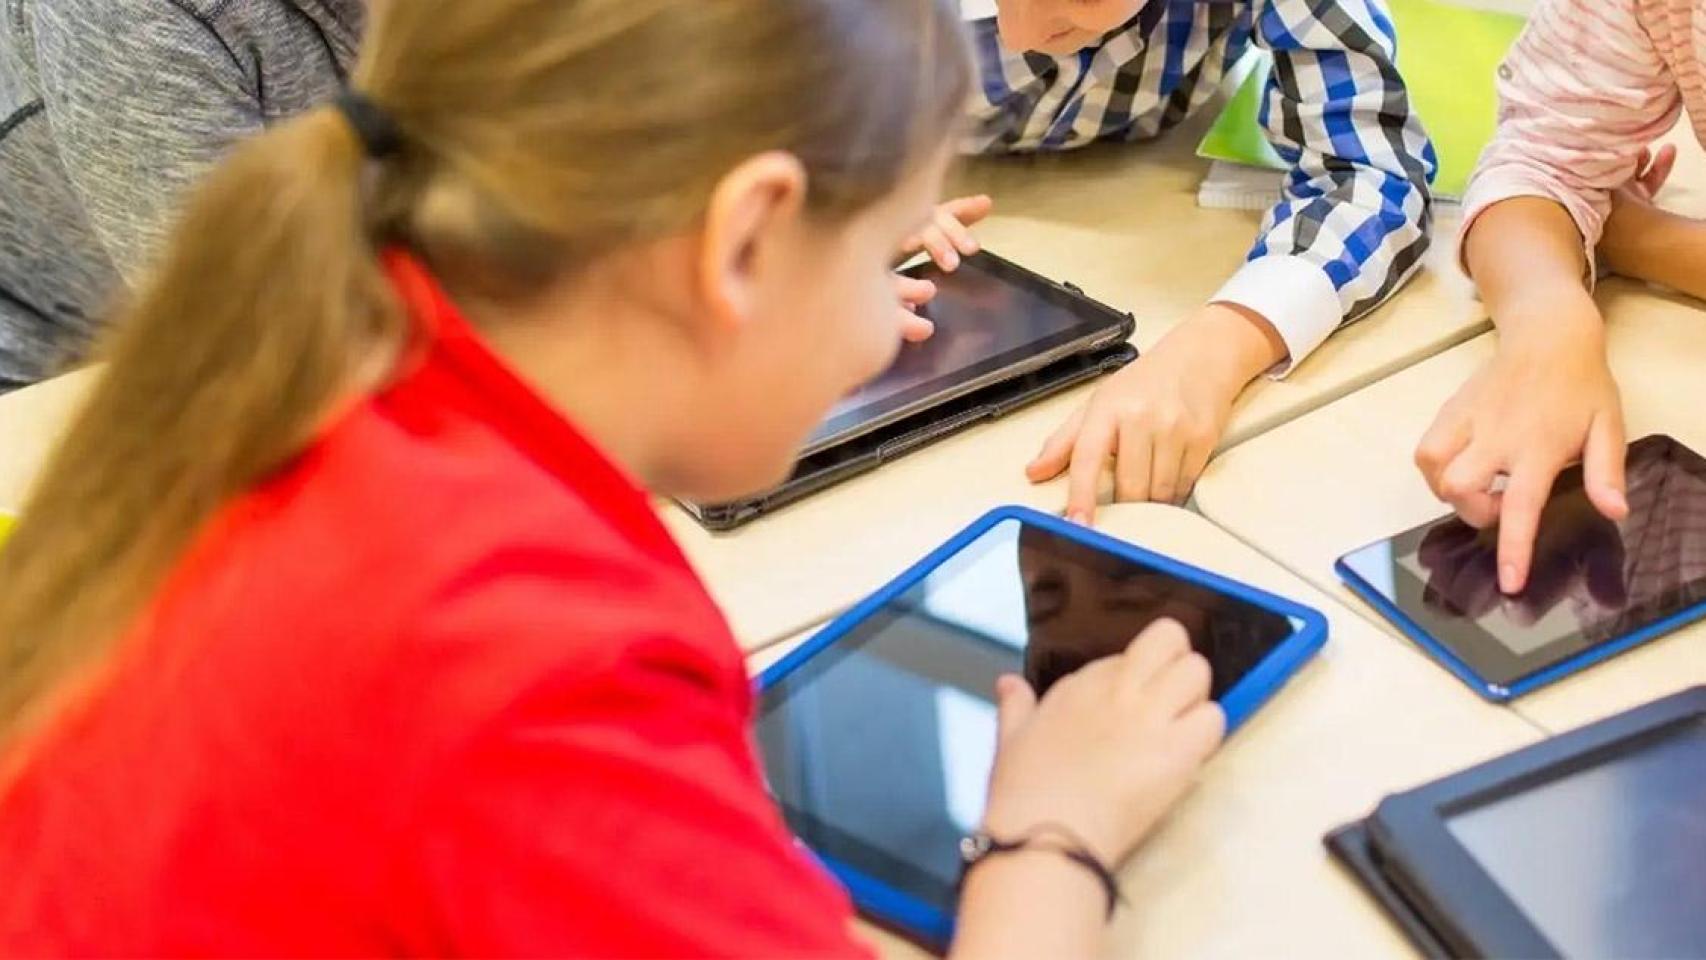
[[1540, 404], [1634, 215], [949, 237], [1160, 419], [914, 293], [1111, 747]]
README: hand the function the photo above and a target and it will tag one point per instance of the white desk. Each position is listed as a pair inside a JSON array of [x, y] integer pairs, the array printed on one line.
[[1239, 869], [1344, 476], [1122, 222]]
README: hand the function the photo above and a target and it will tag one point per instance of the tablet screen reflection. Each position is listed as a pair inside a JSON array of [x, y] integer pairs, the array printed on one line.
[[879, 749], [1592, 579], [979, 316], [1082, 605], [1606, 860]]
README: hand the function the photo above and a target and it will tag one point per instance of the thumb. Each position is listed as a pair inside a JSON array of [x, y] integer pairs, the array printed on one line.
[[1015, 701], [1659, 170], [1603, 466]]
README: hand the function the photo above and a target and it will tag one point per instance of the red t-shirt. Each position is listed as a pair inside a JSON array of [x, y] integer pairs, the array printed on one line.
[[443, 686]]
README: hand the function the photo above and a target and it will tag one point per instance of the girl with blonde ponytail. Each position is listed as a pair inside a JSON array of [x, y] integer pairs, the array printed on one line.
[[341, 621]]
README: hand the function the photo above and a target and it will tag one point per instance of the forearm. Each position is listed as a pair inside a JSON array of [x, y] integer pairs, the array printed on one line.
[[1671, 252], [1030, 904], [1356, 205], [1244, 341], [1527, 259]]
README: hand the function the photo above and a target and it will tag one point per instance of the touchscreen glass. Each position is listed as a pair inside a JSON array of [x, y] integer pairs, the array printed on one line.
[[1607, 861], [1593, 580], [879, 748], [987, 316]]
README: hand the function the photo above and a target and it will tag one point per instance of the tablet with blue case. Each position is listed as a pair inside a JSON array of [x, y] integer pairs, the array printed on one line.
[[1597, 587], [878, 734]]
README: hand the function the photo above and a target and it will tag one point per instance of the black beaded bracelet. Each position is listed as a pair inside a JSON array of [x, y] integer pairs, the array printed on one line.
[[1052, 837]]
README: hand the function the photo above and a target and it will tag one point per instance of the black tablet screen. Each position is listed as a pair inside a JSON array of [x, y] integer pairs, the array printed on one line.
[[1592, 580], [879, 748], [987, 316], [1610, 860]]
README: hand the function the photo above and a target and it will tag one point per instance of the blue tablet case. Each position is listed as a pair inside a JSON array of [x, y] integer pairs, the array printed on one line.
[[1504, 693], [920, 921]]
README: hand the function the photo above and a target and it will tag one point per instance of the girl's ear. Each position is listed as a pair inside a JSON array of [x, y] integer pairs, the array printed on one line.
[[750, 209]]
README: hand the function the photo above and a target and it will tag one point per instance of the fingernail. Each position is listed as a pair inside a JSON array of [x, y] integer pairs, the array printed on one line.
[[1619, 501], [1079, 517], [1508, 578]]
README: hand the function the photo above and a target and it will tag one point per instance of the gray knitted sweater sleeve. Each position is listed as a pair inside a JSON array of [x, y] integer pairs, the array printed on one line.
[[138, 111], [109, 112]]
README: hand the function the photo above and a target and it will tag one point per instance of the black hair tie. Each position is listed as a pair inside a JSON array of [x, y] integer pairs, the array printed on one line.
[[381, 138], [1052, 837]]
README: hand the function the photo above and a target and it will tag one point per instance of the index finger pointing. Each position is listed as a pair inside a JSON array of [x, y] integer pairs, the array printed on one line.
[[957, 233], [1519, 523], [1090, 453]]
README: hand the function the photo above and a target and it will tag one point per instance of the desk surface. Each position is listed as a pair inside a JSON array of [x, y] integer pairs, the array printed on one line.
[[1343, 476], [1121, 222], [1239, 869], [30, 421]]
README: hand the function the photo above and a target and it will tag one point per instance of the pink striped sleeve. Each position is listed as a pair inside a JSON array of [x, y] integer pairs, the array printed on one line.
[[1582, 91]]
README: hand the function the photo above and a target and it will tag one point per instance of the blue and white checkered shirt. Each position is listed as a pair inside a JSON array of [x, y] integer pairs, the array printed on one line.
[[1353, 222]]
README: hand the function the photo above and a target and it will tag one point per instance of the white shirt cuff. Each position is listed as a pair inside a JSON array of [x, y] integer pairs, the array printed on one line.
[[1295, 295]]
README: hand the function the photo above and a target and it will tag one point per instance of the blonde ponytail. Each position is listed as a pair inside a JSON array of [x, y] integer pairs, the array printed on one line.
[[537, 136], [269, 297]]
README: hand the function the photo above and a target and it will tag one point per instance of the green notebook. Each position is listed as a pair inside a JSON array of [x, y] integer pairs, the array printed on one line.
[[1449, 55]]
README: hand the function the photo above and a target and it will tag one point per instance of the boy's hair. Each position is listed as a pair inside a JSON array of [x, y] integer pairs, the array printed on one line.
[[539, 135]]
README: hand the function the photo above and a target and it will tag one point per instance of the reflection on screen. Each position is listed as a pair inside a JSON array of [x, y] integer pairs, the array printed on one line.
[[1592, 579], [879, 749], [979, 316], [1609, 861]]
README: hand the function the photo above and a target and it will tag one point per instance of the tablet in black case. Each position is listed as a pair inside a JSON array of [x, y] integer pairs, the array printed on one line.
[[1005, 338], [1590, 844], [829, 467]]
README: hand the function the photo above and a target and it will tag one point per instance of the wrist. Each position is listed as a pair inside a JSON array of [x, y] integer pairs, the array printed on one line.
[[1669, 249], [1040, 866], [984, 848], [1005, 821], [1237, 341], [1549, 317], [1030, 904]]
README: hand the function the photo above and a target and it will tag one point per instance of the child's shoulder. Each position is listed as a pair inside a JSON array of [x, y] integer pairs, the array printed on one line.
[[399, 529]]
